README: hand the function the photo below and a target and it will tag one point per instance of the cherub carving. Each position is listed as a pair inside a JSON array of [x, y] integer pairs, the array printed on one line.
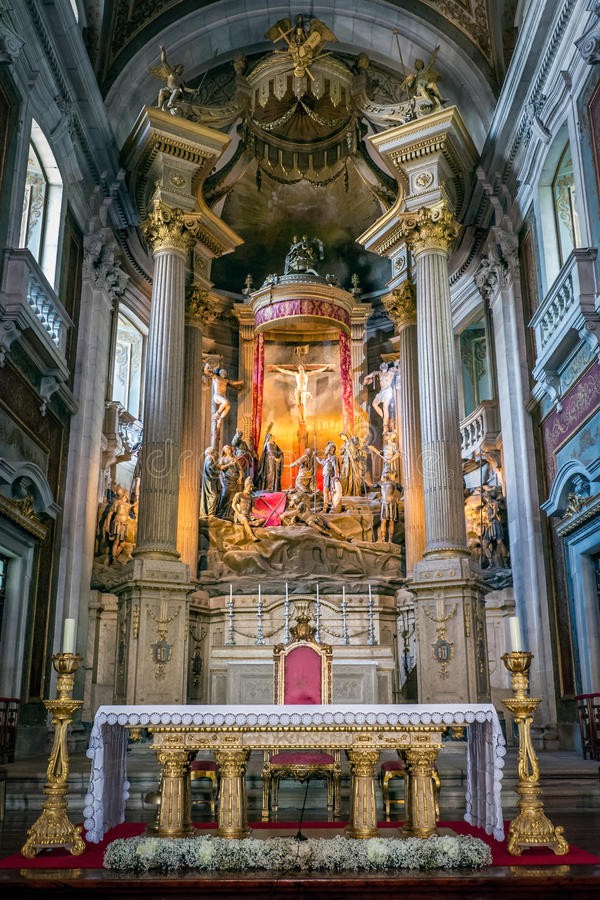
[[174, 88]]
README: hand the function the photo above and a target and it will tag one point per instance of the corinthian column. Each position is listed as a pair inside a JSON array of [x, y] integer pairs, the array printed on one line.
[[429, 233], [170, 241], [402, 309]]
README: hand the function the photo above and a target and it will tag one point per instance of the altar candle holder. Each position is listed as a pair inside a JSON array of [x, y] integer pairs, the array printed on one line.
[[345, 635], [286, 613], [371, 638], [531, 827], [53, 827], [259, 625], [230, 642], [318, 618]]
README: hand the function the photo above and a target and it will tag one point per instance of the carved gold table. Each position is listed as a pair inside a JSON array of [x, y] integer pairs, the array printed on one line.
[[232, 732]]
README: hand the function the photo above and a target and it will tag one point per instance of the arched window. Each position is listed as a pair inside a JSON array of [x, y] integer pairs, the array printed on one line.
[[129, 365], [565, 214], [40, 220]]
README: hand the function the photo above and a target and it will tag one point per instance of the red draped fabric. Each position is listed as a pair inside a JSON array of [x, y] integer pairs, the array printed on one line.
[[347, 386], [258, 378], [270, 507]]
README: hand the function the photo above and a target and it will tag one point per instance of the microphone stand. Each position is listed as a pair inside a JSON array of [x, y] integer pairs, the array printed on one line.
[[299, 836]]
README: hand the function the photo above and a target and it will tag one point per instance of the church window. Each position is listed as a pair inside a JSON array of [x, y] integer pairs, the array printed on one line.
[[475, 362], [40, 219], [129, 357], [563, 196]]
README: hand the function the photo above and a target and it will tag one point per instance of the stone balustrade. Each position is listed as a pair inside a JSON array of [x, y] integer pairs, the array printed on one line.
[[30, 310], [568, 314], [479, 430]]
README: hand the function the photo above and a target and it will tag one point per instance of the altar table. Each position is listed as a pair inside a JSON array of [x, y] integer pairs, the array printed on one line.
[[231, 732]]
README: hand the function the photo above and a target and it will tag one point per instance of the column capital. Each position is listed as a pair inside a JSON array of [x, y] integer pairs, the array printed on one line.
[[401, 305], [198, 307], [169, 228], [429, 228]]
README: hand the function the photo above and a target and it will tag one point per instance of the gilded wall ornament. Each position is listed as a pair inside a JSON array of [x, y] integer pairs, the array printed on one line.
[[401, 305], [429, 228], [198, 307]]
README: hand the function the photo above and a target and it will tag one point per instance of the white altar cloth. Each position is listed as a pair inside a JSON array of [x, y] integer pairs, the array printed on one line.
[[109, 788]]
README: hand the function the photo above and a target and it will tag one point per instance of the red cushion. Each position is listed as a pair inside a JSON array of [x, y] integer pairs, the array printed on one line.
[[300, 758], [302, 679], [393, 765], [204, 765]]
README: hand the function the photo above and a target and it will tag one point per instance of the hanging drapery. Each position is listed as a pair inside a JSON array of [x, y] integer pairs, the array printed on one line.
[[257, 387], [346, 379]]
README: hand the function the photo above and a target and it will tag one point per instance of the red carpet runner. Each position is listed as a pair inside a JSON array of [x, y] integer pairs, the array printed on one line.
[[92, 857]]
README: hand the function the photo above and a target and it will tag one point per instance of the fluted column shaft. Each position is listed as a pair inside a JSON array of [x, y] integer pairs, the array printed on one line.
[[410, 433], [192, 451], [440, 440], [429, 232], [402, 309], [163, 401]]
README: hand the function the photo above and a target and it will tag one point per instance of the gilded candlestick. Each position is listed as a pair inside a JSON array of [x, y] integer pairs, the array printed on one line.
[[53, 827], [531, 827]]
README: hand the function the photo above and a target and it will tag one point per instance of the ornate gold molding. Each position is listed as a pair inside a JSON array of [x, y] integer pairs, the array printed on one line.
[[21, 512], [401, 305], [429, 228], [198, 308], [166, 228]]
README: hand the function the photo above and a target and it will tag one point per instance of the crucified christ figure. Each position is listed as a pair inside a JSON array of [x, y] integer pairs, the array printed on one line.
[[301, 374]]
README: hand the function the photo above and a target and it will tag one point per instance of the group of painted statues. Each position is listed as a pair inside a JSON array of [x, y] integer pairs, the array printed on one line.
[[232, 476]]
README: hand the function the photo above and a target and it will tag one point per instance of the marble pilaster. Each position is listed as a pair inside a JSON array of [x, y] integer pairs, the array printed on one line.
[[499, 282], [103, 282]]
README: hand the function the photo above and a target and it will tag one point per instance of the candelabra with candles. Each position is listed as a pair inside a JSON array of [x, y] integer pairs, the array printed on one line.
[[53, 828], [230, 642], [531, 827], [345, 635], [259, 623]]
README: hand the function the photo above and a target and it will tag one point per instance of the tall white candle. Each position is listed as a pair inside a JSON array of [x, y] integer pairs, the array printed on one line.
[[516, 642], [370, 595], [259, 593], [231, 593], [68, 641], [343, 593], [287, 596]]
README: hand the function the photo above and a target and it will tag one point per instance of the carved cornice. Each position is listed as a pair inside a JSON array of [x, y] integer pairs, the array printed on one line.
[[169, 229], [22, 514], [429, 228], [401, 305], [101, 263], [589, 44]]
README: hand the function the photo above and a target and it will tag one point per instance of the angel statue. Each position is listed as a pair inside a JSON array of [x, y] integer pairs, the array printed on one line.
[[422, 83], [174, 88], [304, 42]]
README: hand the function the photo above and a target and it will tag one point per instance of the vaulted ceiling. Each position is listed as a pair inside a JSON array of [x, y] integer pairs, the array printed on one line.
[[475, 40]]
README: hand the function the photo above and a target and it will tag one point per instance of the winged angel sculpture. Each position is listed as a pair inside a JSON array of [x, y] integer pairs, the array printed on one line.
[[304, 42], [173, 90]]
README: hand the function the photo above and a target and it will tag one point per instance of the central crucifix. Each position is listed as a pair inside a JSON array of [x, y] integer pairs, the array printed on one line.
[[301, 372]]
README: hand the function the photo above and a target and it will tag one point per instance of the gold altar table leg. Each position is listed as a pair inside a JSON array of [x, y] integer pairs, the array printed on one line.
[[233, 819], [420, 803], [362, 822], [175, 818]]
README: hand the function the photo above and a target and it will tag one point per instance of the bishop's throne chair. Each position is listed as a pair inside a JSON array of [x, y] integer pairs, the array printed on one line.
[[302, 675]]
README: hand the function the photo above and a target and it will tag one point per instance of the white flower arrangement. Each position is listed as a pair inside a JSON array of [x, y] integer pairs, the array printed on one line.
[[286, 854]]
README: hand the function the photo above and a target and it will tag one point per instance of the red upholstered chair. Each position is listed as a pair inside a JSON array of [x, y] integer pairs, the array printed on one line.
[[396, 768], [206, 769], [302, 676]]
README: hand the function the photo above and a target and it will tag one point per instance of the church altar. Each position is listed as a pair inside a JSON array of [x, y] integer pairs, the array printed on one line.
[[231, 732]]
